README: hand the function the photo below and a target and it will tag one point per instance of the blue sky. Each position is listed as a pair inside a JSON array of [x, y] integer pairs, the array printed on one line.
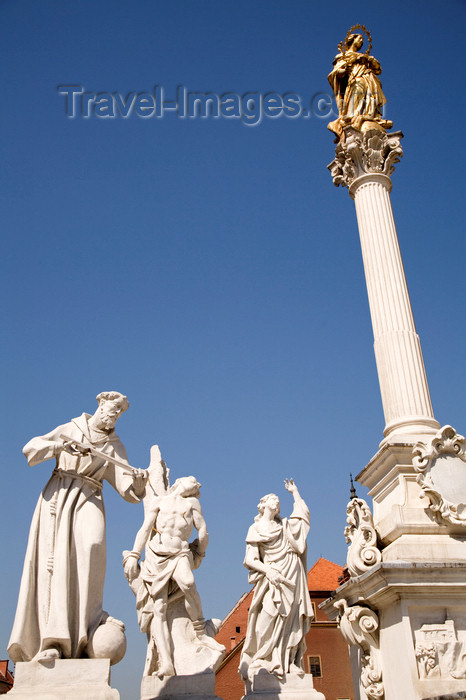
[[209, 269]]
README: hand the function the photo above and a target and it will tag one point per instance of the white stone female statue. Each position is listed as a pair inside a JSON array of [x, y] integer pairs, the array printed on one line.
[[357, 87], [281, 610]]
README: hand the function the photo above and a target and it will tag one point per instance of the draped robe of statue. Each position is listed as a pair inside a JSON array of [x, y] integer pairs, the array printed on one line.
[[279, 616], [358, 91], [60, 599], [157, 570]]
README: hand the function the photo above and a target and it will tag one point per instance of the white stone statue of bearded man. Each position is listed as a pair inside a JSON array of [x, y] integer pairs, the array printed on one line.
[[60, 600]]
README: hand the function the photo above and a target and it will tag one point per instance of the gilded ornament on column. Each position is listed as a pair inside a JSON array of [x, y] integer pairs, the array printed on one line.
[[355, 82]]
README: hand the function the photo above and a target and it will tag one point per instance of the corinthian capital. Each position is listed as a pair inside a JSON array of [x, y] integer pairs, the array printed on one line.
[[364, 153]]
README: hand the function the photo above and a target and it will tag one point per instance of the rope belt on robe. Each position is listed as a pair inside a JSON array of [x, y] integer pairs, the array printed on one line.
[[75, 475], [97, 485]]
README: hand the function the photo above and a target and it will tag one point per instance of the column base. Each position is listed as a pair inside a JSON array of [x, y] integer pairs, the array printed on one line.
[[63, 679], [410, 429], [198, 686], [266, 686]]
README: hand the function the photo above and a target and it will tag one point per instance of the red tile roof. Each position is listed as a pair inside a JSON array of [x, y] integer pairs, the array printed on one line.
[[324, 575]]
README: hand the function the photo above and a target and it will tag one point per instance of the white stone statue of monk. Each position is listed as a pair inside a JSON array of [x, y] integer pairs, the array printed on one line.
[[281, 610], [60, 600]]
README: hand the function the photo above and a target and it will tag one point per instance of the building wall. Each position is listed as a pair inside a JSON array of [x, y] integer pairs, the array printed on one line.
[[6, 678], [233, 629], [228, 684], [325, 641]]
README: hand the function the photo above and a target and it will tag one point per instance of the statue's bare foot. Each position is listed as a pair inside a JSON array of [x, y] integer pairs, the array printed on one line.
[[47, 654], [165, 671]]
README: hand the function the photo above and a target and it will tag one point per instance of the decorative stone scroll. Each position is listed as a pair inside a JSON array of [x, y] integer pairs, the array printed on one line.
[[364, 153], [359, 626], [441, 464], [361, 536]]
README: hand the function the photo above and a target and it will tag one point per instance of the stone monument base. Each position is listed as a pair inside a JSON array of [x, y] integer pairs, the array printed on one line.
[[63, 679], [198, 686], [266, 686]]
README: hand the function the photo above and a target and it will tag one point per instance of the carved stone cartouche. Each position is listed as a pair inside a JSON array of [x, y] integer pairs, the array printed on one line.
[[441, 463]]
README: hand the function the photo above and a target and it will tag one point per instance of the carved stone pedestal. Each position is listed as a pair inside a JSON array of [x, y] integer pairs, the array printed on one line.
[[63, 679], [266, 686], [404, 611], [414, 645], [200, 686]]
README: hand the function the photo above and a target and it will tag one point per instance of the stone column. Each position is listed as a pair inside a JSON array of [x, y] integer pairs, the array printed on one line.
[[364, 162], [403, 607]]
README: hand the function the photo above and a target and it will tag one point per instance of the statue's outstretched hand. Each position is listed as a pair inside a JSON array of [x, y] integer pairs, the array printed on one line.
[[291, 486]]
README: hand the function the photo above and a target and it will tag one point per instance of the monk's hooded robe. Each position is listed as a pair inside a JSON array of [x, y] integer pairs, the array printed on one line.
[[60, 599]]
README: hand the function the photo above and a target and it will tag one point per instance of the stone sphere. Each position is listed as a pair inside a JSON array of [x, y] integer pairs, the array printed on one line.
[[108, 641]]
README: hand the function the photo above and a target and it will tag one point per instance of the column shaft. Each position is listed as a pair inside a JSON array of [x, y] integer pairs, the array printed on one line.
[[400, 365]]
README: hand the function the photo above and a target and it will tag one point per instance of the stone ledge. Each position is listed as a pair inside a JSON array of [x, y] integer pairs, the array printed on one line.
[[63, 679], [200, 686], [387, 582], [269, 687], [451, 695]]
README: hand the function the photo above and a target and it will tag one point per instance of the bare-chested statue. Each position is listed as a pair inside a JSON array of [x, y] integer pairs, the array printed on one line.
[[166, 576]]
